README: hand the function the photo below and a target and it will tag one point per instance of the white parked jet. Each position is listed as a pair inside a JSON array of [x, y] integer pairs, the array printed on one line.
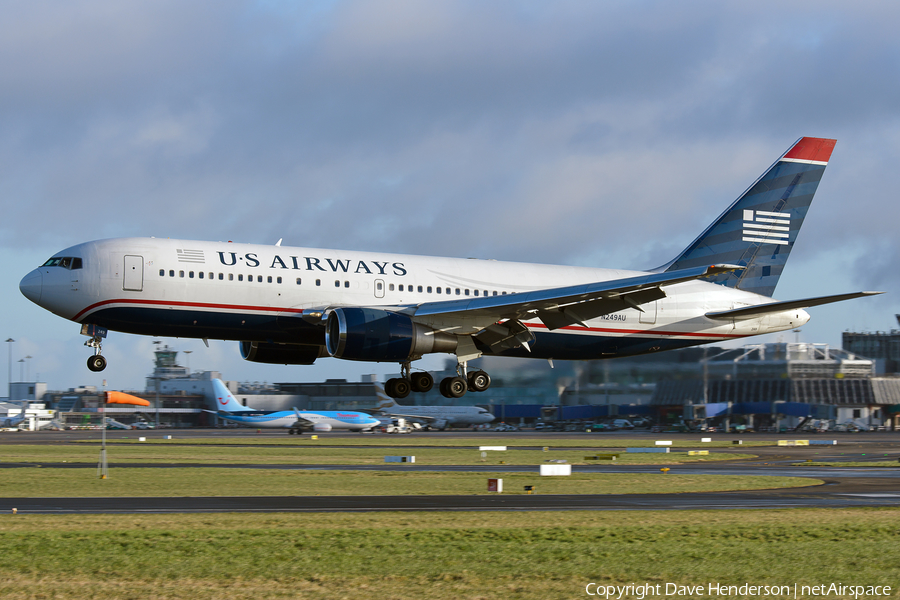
[[294, 305], [435, 417], [14, 422]]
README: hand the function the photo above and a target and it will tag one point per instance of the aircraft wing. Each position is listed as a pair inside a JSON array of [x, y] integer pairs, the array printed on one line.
[[775, 307], [304, 422], [558, 307], [410, 417]]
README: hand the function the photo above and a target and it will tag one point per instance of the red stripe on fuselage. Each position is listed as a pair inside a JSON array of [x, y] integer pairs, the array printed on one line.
[[170, 304]]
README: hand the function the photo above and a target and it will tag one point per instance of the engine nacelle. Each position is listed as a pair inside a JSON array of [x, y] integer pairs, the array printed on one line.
[[281, 354], [321, 427], [371, 334]]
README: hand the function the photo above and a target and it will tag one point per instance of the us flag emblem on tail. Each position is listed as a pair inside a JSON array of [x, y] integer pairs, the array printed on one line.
[[766, 227]]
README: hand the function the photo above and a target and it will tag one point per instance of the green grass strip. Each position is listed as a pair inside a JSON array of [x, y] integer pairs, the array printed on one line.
[[269, 437], [311, 455], [73, 483], [439, 556]]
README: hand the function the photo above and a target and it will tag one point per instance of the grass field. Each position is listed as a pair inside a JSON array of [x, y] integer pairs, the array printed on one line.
[[440, 556], [311, 455], [73, 483], [269, 437]]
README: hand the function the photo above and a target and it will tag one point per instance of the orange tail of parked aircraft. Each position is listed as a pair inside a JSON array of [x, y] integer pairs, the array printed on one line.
[[123, 398]]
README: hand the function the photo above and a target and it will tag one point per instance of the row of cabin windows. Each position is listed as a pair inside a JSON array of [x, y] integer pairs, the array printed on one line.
[[337, 283], [439, 290], [231, 276]]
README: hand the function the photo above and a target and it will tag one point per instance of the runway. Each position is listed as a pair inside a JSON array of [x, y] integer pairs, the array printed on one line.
[[844, 486]]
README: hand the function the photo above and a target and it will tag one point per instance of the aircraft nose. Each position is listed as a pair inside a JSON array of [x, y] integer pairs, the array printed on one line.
[[31, 285]]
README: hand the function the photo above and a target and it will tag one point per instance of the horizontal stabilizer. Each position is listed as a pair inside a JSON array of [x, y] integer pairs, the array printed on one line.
[[776, 307]]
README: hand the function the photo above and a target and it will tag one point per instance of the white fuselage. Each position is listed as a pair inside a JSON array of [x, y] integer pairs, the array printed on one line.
[[445, 415], [223, 290]]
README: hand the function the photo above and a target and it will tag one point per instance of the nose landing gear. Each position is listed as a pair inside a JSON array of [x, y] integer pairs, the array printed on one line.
[[95, 363]]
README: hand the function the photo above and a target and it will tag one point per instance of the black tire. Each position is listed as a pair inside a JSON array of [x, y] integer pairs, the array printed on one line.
[[389, 387], [96, 363], [479, 381], [421, 382], [401, 388], [456, 387]]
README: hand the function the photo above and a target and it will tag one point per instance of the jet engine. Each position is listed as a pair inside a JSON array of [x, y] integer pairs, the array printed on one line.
[[280, 354], [321, 427], [376, 335]]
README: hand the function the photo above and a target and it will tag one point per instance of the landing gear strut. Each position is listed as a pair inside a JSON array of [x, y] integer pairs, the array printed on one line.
[[400, 387], [96, 362], [451, 387]]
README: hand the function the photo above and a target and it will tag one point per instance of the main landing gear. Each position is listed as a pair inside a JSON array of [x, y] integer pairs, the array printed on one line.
[[451, 387]]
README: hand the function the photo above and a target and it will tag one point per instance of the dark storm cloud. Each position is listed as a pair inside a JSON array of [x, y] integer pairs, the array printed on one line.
[[593, 133]]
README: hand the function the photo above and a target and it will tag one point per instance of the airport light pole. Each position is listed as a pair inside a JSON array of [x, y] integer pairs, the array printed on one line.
[[103, 466], [9, 379], [188, 352]]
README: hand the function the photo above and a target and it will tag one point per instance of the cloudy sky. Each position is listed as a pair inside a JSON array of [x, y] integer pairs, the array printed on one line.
[[589, 133]]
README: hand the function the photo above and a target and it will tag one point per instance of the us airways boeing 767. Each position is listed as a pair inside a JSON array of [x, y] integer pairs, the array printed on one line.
[[295, 305]]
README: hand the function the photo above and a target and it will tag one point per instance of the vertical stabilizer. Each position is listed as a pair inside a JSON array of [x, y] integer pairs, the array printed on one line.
[[759, 229], [384, 401], [225, 401]]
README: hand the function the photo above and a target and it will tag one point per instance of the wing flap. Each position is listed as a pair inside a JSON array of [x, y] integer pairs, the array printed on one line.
[[581, 312]]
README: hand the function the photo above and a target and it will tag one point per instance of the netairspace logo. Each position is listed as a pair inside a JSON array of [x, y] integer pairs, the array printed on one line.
[[663, 590]]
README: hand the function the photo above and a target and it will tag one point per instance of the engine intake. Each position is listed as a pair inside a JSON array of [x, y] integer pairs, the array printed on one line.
[[371, 334]]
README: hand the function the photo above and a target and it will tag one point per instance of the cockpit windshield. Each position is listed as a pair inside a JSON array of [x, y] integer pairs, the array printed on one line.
[[66, 262]]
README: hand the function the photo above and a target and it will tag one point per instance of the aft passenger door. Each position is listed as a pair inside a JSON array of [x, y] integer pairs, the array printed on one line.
[[134, 273]]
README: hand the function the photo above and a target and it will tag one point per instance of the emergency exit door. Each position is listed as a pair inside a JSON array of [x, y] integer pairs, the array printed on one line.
[[134, 273]]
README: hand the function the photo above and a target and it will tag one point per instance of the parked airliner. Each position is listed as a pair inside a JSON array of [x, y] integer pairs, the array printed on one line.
[[14, 422], [295, 421], [434, 417], [295, 305]]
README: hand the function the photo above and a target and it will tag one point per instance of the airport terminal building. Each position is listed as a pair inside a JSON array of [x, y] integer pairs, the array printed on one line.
[[758, 386]]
